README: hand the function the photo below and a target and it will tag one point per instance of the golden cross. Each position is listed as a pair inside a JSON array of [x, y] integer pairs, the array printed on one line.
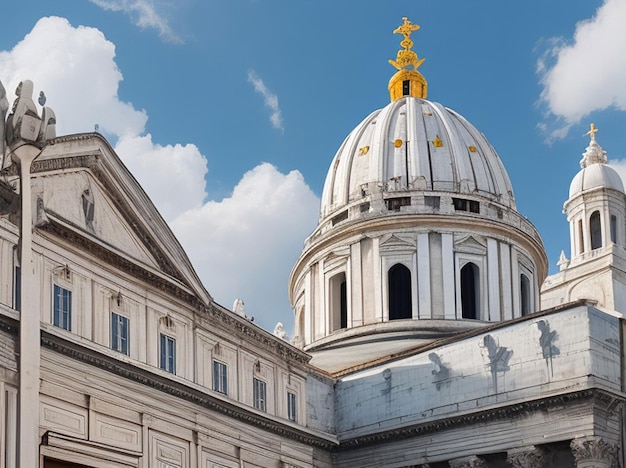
[[406, 28], [592, 132]]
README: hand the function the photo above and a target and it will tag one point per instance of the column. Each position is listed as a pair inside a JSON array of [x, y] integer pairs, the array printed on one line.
[[526, 457], [594, 452]]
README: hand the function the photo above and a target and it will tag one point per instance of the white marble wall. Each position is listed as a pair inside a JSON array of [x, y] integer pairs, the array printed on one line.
[[464, 376]]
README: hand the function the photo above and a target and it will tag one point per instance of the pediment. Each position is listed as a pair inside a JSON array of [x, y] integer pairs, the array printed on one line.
[[336, 258], [470, 244], [396, 243], [81, 202]]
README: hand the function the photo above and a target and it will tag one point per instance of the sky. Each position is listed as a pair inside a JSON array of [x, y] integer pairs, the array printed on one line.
[[228, 113]]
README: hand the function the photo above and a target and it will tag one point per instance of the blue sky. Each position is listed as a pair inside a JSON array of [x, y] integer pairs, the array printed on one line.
[[229, 113]]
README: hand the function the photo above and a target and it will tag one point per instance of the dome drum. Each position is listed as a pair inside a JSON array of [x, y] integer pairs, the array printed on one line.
[[418, 237]]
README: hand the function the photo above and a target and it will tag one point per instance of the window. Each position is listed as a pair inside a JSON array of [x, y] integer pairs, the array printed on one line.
[[400, 303], [469, 291], [168, 353], [406, 87], [614, 229], [461, 204], [62, 314], [291, 406], [338, 301], [432, 202], [525, 294], [17, 289], [260, 392], [394, 204], [340, 217], [220, 377], [119, 333], [595, 230]]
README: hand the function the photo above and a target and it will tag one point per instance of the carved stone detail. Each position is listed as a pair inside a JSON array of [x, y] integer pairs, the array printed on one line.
[[468, 462], [526, 457], [594, 452]]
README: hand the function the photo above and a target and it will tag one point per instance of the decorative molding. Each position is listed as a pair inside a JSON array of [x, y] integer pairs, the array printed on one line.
[[526, 457], [179, 390], [480, 417], [232, 324], [594, 452]]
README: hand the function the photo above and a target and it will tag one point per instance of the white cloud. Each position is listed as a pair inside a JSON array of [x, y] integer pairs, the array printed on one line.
[[620, 166], [172, 175], [587, 73], [144, 14], [243, 246], [271, 100], [82, 92]]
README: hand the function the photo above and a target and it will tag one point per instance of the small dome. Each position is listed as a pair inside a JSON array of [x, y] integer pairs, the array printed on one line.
[[595, 176], [415, 144]]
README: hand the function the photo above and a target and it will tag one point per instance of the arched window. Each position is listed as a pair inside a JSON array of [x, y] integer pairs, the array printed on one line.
[[470, 287], [338, 301], [614, 229], [400, 305], [524, 288], [595, 230]]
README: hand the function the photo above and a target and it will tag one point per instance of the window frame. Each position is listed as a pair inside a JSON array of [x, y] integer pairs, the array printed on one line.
[[220, 377], [167, 353], [62, 307], [259, 392], [292, 406], [120, 343]]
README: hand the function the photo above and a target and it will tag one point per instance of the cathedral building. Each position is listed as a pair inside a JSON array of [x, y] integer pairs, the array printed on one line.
[[427, 332]]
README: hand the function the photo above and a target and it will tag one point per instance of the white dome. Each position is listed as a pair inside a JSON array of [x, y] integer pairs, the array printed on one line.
[[595, 176], [419, 141]]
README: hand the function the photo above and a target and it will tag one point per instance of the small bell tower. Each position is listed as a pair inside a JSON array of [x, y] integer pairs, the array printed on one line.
[[595, 210]]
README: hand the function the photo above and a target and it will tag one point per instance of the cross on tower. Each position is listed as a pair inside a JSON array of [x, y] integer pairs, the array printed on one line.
[[592, 132]]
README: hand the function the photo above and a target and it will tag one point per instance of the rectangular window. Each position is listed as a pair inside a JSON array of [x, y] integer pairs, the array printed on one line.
[[62, 314], [394, 204], [291, 406], [260, 392], [220, 377], [119, 333], [168, 353], [432, 202], [17, 289]]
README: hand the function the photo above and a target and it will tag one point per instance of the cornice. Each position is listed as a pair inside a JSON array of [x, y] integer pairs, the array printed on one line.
[[507, 412], [180, 390], [232, 323]]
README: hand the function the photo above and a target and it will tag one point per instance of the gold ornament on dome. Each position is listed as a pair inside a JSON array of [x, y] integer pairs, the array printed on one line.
[[407, 81], [406, 57]]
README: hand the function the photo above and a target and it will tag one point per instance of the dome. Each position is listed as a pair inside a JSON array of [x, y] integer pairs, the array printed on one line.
[[419, 237], [595, 176], [415, 144]]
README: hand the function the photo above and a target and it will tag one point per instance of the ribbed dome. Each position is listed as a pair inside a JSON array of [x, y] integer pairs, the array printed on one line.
[[594, 176], [415, 144]]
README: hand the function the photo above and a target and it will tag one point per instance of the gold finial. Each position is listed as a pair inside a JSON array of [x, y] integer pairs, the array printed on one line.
[[592, 132], [407, 81], [406, 57]]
